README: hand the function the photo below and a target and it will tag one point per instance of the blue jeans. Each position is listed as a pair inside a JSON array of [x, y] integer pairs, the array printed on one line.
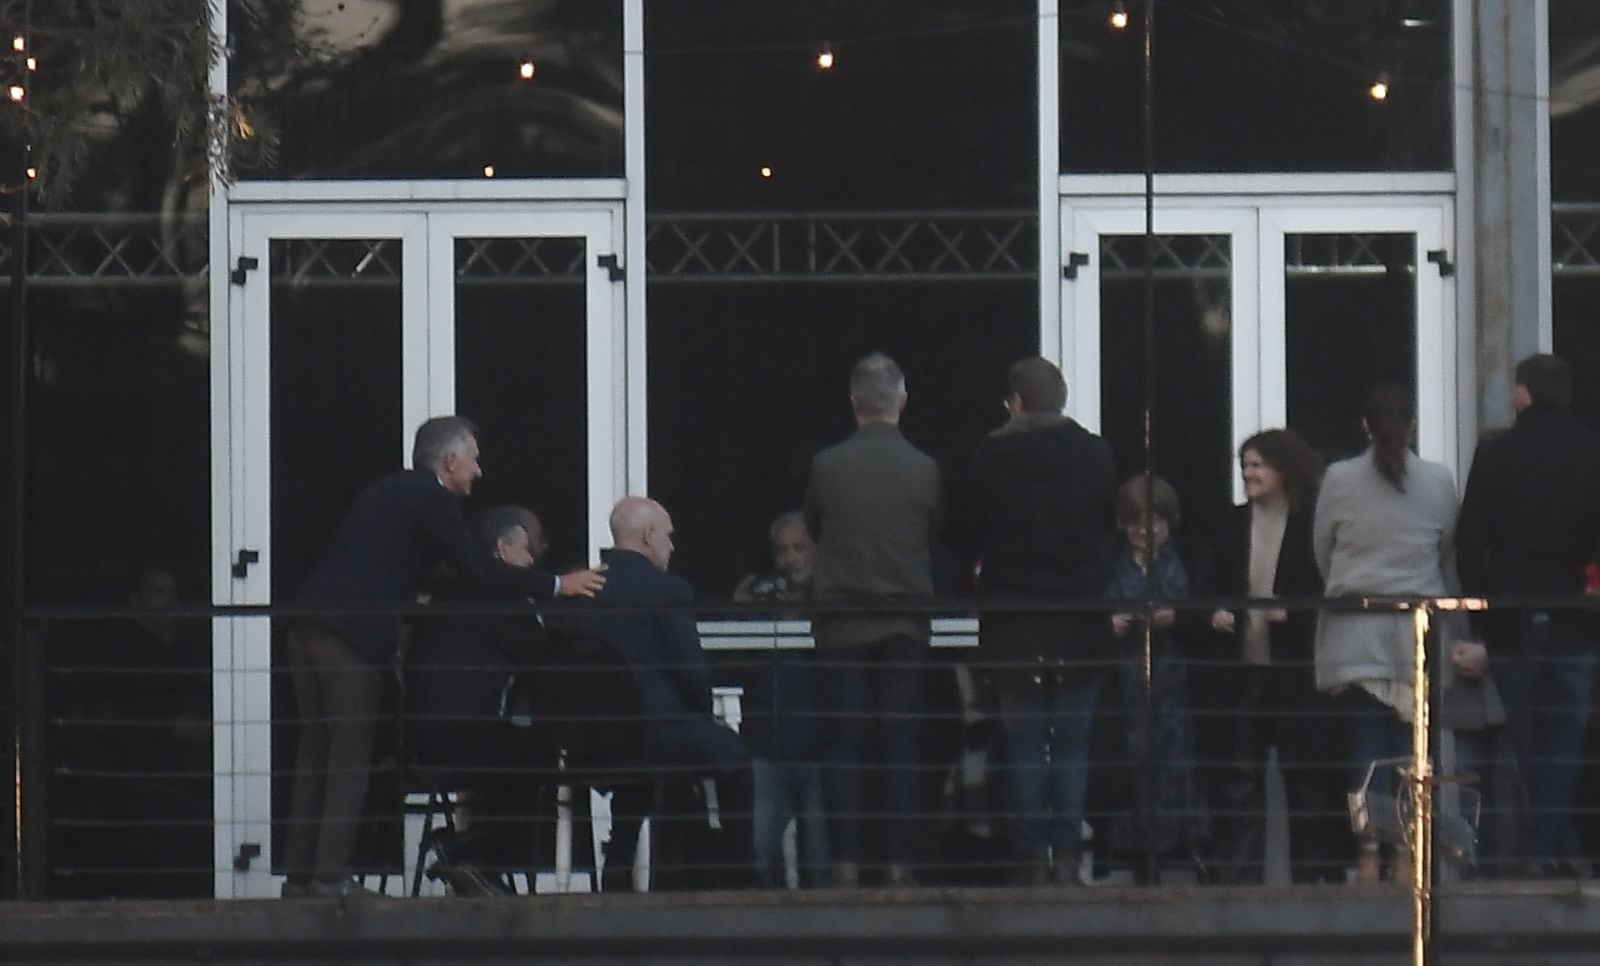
[[1377, 734], [1047, 744], [1546, 681], [866, 690], [789, 791]]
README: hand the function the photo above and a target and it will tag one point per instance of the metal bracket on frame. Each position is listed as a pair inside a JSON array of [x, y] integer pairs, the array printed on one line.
[[1075, 261], [612, 266], [245, 265], [1441, 258]]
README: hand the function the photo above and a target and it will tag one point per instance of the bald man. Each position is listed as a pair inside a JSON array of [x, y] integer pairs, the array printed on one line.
[[663, 645]]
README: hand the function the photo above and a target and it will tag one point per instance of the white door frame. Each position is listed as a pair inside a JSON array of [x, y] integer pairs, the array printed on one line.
[[427, 231], [1257, 224]]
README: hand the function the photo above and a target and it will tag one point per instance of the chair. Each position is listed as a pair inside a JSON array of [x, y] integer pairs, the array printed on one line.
[[583, 708], [414, 779]]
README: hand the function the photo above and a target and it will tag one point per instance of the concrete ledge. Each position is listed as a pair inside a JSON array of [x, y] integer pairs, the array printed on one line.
[[1322, 925]]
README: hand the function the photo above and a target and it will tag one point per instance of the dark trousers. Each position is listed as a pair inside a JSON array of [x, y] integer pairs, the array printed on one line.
[[338, 693], [872, 689], [1546, 679], [1279, 705], [1379, 739], [687, 852], [1047, 716]]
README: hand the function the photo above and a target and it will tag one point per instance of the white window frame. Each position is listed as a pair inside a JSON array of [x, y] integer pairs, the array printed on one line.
[[1257, 223], [427, 230]]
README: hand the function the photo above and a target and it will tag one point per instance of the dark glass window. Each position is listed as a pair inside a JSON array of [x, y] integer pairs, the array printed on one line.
[[1242, 85], [118, 515], [1574, 100], [1575, 189], [897, 215], [430, 89], [928, 103]]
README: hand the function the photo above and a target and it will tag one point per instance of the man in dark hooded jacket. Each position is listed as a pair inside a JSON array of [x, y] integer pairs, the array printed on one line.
[[1043, 496]]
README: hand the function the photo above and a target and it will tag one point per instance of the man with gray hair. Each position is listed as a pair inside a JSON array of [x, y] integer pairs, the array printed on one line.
[[385, 552], [874, 504]]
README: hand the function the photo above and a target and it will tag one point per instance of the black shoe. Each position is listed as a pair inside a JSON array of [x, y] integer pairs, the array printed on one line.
[[339, 889], [451, 864], [1031, 871], [1066, 871], [467, 880]]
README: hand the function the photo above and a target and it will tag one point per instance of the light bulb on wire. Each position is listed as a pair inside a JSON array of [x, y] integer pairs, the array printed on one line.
[[1379, 91], [33, 63], [32, 172], [488, 171], [766, 171], [19, 43], [825, 58], [526, 69], [16, 92], [1119, 16]]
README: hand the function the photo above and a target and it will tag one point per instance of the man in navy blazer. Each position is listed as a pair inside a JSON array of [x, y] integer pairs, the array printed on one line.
[[399, 529], [663, 646]]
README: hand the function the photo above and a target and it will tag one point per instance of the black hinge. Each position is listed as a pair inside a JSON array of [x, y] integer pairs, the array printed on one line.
[[241, 563], [611, 265], [248, 852], [246, 263], [1075, 261], [1441, 258]]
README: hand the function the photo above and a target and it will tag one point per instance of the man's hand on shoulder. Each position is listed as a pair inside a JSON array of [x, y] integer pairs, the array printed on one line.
[[583, 583]]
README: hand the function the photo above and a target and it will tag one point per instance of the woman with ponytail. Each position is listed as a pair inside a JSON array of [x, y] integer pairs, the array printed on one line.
[[1385, 524]]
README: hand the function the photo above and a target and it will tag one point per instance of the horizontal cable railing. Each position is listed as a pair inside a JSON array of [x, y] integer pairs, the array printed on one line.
[[766, 759]]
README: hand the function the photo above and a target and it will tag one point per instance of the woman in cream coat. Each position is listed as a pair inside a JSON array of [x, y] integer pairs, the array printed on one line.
[[1385, 524]]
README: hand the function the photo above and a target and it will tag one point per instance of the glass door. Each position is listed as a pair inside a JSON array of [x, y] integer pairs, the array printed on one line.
[[349, 328], [1267, 313], [1358, 295], [1204, 393]]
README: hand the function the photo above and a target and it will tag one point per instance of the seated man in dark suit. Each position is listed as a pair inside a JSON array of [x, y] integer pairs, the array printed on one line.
[[458, 672], [663, 645]]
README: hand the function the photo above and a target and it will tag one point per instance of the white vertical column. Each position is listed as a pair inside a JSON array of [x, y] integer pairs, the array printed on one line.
[[1052, 341], [1541, 168], [636, 342], [1465, 312], [221, 242]]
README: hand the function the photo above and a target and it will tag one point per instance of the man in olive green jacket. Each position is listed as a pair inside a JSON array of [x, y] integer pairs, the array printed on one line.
[[873, 505]]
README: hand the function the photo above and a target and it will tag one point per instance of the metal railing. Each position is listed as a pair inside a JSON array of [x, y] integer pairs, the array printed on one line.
[[1174, 763]]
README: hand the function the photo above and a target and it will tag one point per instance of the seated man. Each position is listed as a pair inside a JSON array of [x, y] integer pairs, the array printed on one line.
[[457, 673], [663, 646], [780, 724]]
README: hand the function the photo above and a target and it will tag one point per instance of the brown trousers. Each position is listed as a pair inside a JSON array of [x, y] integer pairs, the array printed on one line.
[[338, 693]]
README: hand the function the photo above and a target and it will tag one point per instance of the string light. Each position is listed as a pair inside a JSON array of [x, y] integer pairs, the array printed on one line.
[[488, 171], [526, 69], [1379, 91], [766, 171], [16, 92], [825, 58], [33, 63], [1119, 16], [32, 172], [19, 43]]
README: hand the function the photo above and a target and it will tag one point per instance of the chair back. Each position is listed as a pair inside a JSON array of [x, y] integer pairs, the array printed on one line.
[[585, 703]]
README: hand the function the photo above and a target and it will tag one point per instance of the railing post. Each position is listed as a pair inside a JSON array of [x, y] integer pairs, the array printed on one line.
[[1420, 839]]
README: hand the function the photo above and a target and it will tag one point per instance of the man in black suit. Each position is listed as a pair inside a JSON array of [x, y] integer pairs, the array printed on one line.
[[458, 673], [662, 645], [1530, 524], [399, 529]]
